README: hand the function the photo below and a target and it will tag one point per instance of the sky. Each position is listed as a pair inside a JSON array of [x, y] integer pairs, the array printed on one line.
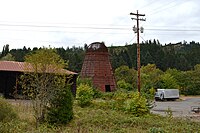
[[67, 23]]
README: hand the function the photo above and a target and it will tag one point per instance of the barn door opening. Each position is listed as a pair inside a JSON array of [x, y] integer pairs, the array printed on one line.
[[107, 88]]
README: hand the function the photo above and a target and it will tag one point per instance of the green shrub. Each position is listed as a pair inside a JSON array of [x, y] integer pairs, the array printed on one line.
[[148, 93], [119, 97], [84, 95], [127, 101], [107, 95], [87, 81], [137, 105], [7, 113], [123, 85], [97, 93], [61, 107]]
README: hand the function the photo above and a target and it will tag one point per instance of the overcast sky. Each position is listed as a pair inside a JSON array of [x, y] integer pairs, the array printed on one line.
[[67, 23]]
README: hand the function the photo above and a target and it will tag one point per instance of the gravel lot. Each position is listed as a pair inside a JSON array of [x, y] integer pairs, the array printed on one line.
[[179, 108]]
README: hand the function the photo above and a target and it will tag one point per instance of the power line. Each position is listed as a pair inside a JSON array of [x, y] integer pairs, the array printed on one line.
[[148, 4], [95, 26], [132, 39], [164, 8], [172, 34], [117, 27], [56, 24], [173, 29], [164, 5], [65, 31], [69, 27], [102, 28]]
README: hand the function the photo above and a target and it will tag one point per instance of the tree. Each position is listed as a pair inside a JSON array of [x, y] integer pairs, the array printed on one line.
[[150, 75], [188, 81], [61, 107], [193, 79], [5, 50], [8, 57], [19, 54], [127, 75], [43, 80], [167, 81]]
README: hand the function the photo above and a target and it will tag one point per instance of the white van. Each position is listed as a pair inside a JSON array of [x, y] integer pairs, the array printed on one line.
[[162, 94]]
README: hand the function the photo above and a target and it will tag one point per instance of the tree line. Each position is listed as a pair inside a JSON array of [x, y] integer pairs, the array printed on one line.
[[181, 56]]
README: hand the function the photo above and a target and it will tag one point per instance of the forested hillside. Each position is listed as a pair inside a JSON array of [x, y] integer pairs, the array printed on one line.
[[182, 56]]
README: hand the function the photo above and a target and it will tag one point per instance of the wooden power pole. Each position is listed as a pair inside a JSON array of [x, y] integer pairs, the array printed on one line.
[[136, 30]]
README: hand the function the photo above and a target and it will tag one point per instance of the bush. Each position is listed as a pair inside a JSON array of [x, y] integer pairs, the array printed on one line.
[[61, 107], [7, 113], [87, 81], [84, 95], [123, 85], [149, 94], [119, 97], [97, 93], [137, 105], [107, 95]]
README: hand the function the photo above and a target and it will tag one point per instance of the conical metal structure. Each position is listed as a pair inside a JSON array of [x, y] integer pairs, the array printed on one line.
[[97, 66]]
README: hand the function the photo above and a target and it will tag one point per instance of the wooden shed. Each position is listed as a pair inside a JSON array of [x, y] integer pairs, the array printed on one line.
[[97, 66], [10, 72]]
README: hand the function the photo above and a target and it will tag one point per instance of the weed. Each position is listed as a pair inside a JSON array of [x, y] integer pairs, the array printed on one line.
[[156, 130], [7, 113], [169, 113]]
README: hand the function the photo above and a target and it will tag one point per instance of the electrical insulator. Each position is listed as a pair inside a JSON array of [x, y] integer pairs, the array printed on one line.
[[141, 29], [135, 29]]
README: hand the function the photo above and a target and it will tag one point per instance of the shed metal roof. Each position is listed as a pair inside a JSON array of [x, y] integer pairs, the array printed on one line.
[[21, 67]]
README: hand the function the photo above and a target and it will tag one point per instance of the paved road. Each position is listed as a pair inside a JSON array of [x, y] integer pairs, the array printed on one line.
[[179, 108]]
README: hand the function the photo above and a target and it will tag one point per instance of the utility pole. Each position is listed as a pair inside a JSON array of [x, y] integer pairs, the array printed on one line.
[[136, 30]]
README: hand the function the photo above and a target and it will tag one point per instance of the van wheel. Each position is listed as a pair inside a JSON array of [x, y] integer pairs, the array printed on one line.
[[162, 97]]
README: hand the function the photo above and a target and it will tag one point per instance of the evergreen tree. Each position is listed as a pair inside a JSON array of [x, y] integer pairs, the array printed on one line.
[[61, 107], [5, 50]]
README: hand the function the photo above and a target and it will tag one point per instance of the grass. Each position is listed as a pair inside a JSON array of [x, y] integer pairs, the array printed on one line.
[[98, 119]]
